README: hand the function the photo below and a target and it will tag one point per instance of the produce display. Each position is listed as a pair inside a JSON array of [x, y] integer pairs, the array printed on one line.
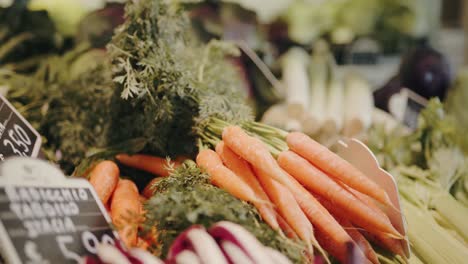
[[224, 242], [197, 160], [320, 100]]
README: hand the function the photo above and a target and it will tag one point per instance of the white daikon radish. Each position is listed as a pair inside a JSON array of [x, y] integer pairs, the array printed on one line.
[[318, 76], [110, 254], [359, 105], [187, 257], [296, 81], [293, 125], [277, 257], [234, 253], [144, 256], [333, 122]]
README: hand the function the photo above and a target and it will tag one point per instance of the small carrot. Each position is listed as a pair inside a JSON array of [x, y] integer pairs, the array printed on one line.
[[359, 239], [148, 191], [125, 211], [104, 178], [255, 152], [242, 169], [141, 243], [288, 208], [318, 182], [224, 177], [287, 229], [335, 166], [393, 245], [152, 164]]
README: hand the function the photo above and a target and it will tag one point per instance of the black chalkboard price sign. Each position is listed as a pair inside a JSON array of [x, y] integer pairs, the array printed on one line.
[[46, 217], [17, 136]]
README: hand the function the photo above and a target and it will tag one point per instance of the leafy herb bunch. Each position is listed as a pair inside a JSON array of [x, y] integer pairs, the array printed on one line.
[[169, 83]]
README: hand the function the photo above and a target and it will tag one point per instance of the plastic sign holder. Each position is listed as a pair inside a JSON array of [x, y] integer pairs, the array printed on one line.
[[360, 156], [46, 217]]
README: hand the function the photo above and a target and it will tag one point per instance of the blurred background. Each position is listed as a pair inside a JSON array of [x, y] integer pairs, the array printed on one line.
[[309, 65]]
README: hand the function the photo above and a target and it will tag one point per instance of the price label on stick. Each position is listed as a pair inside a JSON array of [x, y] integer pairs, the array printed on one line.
[[46, 217], [17, 136], [405, 107]]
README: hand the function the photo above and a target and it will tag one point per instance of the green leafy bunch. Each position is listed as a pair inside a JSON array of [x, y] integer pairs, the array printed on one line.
[[186, 198], [67, 101], [169, 84], [437, 149]]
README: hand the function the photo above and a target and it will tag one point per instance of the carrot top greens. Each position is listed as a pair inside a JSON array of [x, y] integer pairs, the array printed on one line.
[[186, 198], [168, 82]]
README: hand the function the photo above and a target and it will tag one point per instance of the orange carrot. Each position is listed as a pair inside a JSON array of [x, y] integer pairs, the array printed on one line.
[[242, 169], [367, 201], [380, 238], [318, 182], [224, 177], [393, 245], [335, 166], [125, 211], [359, 239], [104, 178], [141, 243], [287, 207], [151, 164], [257, 154], [254, 151], [287, 229], [150, 188]]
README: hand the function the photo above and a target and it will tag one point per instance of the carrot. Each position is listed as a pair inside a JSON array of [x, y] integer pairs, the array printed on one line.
[[288, 208], [367, 201], [224, 177], [148, 191], [380, 238], [335, 166], [242, 169], [104, 178], [256, 153], [151, 164], [359, 239], [393, 245], [141, 243], [287, 229], [318, 182], [125, 211]]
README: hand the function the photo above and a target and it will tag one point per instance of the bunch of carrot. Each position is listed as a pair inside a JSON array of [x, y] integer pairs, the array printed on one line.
[[308, 192], [121, 196]]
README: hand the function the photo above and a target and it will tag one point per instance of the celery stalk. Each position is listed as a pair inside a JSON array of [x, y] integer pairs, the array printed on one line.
[[429, 240]]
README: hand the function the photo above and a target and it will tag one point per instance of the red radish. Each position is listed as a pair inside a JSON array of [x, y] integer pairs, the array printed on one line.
[[234, 253], [110, 254], [201, 242], [187, 257], [276, 256], [236, 234], [144, 256]]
